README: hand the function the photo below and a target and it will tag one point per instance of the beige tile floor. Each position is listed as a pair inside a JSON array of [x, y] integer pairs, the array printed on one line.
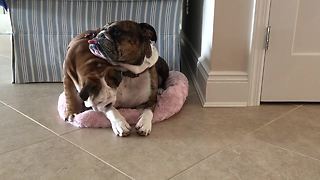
[[273, 141]]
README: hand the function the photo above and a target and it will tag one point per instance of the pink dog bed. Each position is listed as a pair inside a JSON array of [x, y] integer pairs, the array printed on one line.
[[169, 103]]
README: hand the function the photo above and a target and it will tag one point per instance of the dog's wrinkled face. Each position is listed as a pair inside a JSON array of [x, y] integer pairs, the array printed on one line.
[[99, 88], [125, 41]]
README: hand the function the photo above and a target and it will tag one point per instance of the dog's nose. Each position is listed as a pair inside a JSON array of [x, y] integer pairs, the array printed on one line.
[[92, 41]]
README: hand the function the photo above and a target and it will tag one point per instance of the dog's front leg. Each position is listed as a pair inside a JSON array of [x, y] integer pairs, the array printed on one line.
[[73, 102], [119, 124], [144, 124]]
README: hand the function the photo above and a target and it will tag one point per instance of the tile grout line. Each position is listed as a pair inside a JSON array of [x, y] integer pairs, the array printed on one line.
[[232, 144], [27, 145], [275, 119], [280, 147], [61, 137], [205, 158], [68, 132], [96, 157], [21, 113], [290, 150]]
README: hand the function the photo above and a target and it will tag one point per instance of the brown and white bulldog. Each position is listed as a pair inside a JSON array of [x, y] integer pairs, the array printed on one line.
[[127, 73]]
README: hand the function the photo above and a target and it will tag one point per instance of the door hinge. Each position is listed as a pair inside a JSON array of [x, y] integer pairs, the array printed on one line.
[[267, 38]]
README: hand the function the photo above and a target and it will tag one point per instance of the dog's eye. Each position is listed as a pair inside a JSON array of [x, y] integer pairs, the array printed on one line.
[[99, 65], [116, 32]]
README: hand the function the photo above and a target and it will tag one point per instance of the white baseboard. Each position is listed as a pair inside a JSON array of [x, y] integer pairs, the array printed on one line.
[[225, 104], [217, 88], [225, 88]]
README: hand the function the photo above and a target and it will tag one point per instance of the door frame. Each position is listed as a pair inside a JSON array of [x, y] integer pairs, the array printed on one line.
[[257, 50]]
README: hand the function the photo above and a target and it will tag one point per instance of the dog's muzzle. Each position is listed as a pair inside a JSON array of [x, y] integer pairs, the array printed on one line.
[[99, 49]]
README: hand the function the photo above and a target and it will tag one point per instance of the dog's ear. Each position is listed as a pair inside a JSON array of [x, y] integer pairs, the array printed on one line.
[[149, 32], [86, 91], [116, 77], [147, 50]]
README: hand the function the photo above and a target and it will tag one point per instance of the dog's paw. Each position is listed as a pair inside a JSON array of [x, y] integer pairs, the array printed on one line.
[[69, 118], [118, 123], [144, 124], [121, 128], [143, 129]]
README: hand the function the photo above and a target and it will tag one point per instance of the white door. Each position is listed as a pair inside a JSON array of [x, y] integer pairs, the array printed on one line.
[[292, 63]]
